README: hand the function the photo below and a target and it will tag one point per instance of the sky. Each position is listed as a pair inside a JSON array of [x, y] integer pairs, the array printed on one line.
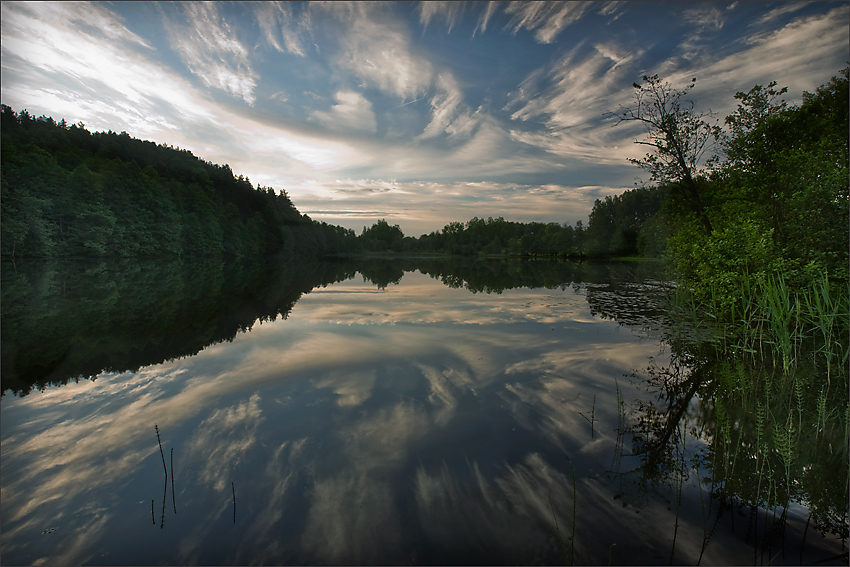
[[420, 113]]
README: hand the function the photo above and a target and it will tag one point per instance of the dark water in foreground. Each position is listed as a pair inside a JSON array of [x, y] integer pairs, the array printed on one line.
[[381, 413]]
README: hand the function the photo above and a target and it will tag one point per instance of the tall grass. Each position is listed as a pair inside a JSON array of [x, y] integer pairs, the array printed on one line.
[[777, 323], [778, 357]]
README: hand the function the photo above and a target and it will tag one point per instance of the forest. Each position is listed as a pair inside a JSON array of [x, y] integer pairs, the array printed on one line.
[[773, 197], [70, 193]]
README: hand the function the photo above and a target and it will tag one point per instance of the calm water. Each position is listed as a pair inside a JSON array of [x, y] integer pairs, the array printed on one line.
[[487, 413]]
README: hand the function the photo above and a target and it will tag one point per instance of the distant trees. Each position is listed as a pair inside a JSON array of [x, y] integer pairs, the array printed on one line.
[[480, 236], [67, 192], [381, 237], [626, 224]]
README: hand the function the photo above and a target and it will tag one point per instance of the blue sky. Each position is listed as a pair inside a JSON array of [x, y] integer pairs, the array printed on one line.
[[419, 113]]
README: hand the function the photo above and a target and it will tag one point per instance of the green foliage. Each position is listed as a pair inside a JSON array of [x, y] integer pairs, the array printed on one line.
[[627, 224], [381, 237], [496, 237], [70, 193], [775, 202], [716, 266], [768, 427]]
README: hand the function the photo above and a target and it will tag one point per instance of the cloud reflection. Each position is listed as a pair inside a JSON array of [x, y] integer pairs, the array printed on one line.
[[341, 413]]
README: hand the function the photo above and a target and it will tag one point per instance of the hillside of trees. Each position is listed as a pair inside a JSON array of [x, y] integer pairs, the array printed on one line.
[[71, 193], [773, 197], [67, 192]]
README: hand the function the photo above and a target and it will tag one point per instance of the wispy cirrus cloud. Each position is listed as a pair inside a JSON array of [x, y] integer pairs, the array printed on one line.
[[484, 17], [782, 10], [705, 16], [280, 27], [450, 12], [444, 104], [546, 19], [571, 98], [376, 50], [54, 59], [212, 52], [769, 56]]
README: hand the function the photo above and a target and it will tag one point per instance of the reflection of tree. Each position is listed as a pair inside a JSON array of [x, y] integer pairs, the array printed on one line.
[[76, 319], [772, 440], [496, 276], [380, 271], [65, 320], [658, 433]]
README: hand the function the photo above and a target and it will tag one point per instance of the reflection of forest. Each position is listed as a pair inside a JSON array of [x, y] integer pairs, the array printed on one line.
[[65, 320], [770, 439]]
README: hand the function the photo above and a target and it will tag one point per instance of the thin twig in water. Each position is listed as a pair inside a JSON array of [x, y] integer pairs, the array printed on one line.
[[173, 497], [573, 534], [156, 427], [233, 486], [557, 530]]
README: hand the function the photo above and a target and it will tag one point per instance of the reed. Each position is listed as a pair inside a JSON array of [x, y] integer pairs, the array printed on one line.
[[573, 532], [557, 529], [156, 427], [773, 321]]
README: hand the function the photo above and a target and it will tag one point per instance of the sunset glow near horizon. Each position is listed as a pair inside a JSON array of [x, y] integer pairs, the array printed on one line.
[[418, 113]]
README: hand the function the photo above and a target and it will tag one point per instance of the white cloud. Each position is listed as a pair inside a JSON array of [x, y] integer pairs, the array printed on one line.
[[484, 19], [783, 9], [778, 55], [377, 50], [581, 89], [705, 16], [545, 19], [351, 112], [448, 11], [444, 104], [97, 18], [211, 50], [277, 21], [107, 85]]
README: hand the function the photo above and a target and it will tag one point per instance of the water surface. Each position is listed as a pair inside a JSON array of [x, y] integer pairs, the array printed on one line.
[[405, 416]]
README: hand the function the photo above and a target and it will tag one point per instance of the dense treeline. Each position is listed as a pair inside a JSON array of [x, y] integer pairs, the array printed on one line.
[[67, 192], [479, 236], [622, 225], [628, 224]]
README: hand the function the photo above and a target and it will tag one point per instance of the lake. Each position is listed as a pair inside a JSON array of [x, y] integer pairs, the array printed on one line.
[[385, 412]]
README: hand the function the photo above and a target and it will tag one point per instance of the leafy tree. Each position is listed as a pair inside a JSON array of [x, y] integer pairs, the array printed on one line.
[[678, 136], [381, 237]]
